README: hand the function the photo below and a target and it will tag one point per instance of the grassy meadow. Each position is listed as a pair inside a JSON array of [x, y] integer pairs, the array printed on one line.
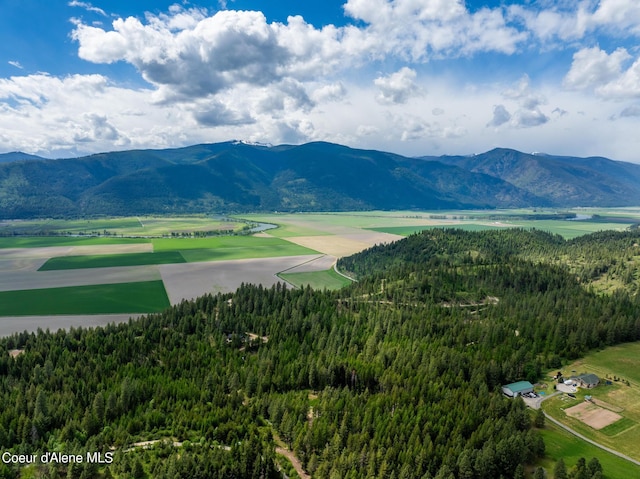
[[559, 444], [327, 279]]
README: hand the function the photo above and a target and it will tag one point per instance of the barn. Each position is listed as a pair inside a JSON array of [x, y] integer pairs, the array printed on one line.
[[517, 389]]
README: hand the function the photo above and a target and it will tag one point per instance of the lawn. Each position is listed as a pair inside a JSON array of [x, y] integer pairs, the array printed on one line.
[[142, 297], [560, 444], [111, 260], [327, 279]]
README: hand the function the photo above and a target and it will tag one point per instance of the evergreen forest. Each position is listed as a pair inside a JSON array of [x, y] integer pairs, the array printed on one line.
[[395, 376]]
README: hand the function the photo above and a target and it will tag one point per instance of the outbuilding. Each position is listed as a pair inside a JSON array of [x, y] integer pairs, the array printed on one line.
[[517, 389]]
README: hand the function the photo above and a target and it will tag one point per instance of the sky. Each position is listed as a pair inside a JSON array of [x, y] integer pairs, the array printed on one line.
[[414, 77]]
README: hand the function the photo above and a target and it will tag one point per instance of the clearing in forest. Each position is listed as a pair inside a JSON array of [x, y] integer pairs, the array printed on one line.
[[593, 415]]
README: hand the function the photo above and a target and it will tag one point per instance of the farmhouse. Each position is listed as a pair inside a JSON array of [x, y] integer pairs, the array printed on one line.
[[587, 381], [517, 389]]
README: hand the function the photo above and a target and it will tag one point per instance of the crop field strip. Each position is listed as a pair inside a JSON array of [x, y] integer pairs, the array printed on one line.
[[140, 297], [111, 260]]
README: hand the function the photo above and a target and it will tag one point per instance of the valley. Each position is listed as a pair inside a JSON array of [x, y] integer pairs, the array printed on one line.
[[497, 301]]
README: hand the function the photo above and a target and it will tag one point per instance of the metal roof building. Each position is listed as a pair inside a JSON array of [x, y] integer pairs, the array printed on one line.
[[517, 389]]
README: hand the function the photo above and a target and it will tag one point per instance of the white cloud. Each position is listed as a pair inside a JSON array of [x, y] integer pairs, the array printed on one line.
[[419, 30], [606, 74], [528, 112], [576, 19], [593, 67], [397, 87], [16, 64], [87, 6]]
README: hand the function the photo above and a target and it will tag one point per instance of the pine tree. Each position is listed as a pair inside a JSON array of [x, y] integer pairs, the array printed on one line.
[[560, 470]]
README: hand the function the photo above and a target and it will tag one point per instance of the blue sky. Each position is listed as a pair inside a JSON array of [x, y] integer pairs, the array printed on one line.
[[414, 77]]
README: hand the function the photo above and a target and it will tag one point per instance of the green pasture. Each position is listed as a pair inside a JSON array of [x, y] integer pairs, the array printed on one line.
[[621, 362], [46, 241], [127, 226], [559, 444], [140, 297], [112, 260], [327, 279]]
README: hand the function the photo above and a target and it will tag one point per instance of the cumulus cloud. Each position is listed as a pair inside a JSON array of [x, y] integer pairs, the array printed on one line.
[[420, 30], [593, 67], [188, 53], [528, 112], [500, 116], [397, 87], [606, 74], [331, 92]]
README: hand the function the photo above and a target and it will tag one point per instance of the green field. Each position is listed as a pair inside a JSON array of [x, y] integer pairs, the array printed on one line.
[[559, 444], [407, 222], [142, 297], [328, 279], [409, 230], [621, 362], [111, 260], [46, 241], [230, 247], [184, 250], [129, 226]]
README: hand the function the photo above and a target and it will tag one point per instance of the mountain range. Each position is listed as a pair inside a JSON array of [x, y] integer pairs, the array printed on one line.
[[239, 177]]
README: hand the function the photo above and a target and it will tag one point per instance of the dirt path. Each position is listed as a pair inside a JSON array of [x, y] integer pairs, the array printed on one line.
[[291, 457]]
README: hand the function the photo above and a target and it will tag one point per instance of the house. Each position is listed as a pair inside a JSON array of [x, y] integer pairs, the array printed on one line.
[[517, 389], [587, 380]]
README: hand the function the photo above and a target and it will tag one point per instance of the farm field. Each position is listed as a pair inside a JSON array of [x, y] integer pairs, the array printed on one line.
[[612, 418], [140, 297], [301, 251], [407, 222], [129, 226]]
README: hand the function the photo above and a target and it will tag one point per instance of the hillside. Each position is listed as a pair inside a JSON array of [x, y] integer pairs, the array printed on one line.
[[397, 375], [239, 177], [234, 176], [562, 180]]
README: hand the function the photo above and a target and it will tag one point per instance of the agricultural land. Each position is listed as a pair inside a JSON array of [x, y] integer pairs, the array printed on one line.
[[163, 260]]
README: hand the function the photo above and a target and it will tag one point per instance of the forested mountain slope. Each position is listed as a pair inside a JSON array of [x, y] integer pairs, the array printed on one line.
[[238, 177], [563, 180], [397, 375]]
